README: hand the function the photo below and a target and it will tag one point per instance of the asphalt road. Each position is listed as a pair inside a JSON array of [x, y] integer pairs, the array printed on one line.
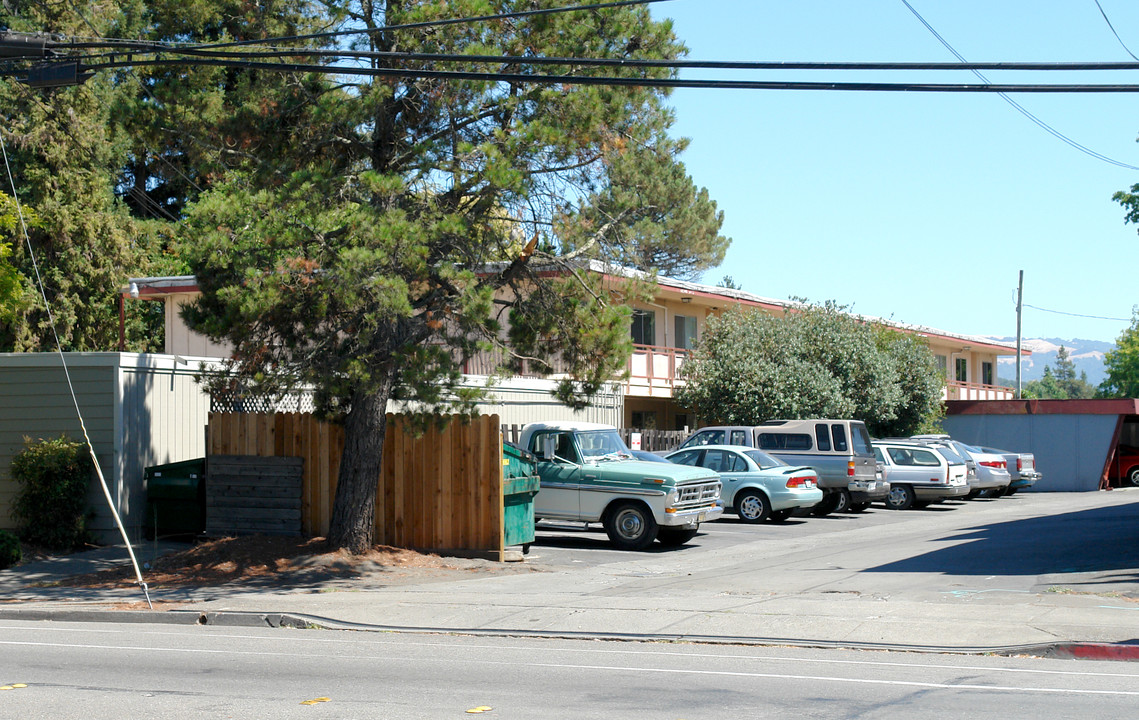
[[112, 671], [1041, 542]]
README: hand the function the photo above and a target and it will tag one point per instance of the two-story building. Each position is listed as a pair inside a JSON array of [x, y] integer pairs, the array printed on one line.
[[663, 332]]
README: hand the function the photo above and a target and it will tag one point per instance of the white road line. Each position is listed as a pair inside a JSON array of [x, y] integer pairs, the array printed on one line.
[[611, 668], [309, 640]]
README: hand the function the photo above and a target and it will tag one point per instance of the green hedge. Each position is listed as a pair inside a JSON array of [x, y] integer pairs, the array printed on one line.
[[50, 509], [9, 550]]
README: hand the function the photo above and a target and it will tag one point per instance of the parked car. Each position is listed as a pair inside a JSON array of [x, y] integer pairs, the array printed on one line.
[[920, 473], [589, 475], [838, 450], [1126, 465], [1021, 469], [992, 476], [756, 485]]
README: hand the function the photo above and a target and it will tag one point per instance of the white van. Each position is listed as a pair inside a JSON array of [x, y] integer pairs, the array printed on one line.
[[838, 450]]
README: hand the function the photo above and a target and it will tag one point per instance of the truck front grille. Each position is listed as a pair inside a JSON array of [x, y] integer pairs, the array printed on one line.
[[698, 494]]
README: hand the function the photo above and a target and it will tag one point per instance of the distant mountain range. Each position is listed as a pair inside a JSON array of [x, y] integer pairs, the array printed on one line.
[[1086, 355]]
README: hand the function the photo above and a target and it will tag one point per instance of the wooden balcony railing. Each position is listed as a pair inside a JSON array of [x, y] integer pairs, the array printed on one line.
[[653, 370], [956, 390]]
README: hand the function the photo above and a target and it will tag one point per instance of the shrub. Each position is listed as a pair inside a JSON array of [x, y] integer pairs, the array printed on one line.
[[50, 507], [9, 550]]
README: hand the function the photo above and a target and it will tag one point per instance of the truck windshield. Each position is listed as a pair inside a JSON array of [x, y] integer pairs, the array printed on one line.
[[599, 445]]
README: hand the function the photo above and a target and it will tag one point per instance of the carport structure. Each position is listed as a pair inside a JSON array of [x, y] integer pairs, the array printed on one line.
[[1076, 442]]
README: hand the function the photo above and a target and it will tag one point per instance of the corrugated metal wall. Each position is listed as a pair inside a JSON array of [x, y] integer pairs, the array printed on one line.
[[139, 410], [164, 417], [520, 401], [35, 403], [1071, 450]]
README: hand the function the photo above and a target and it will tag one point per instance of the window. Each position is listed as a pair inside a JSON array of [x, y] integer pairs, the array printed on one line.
[[987, 373], [838, 434], [686, 458], [644, 327], [822, 439], [645, 419], [942, 364], [738, 437], [685, 331], [962, 366], [859, 438], [708, 437], [784, 441]]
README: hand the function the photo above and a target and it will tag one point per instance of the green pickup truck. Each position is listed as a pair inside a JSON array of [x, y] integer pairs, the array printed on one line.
[[589, 475]]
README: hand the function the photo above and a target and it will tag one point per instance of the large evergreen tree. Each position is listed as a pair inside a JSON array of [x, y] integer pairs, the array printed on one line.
[[415, 221], [65, 154]]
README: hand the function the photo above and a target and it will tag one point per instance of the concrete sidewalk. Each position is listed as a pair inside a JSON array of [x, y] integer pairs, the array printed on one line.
[[947, 581]]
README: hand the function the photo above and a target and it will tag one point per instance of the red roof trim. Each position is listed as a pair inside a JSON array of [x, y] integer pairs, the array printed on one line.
[[1123, 406]]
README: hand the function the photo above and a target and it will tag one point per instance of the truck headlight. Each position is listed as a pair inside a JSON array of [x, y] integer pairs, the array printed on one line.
[[673, 497]]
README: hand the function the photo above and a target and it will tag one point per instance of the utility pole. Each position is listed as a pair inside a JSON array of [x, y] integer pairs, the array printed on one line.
[[1019, 309]]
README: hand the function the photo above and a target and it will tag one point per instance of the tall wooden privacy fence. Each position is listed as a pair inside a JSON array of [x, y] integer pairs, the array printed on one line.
[[440, 491]]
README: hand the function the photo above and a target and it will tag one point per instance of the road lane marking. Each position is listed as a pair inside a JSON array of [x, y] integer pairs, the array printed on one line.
[[608, 668], [309, 640]]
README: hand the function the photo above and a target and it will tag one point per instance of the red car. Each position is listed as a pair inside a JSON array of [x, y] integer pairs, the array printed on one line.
[[1125, 466]]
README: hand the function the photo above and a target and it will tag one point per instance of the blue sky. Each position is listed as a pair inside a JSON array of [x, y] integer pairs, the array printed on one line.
[[920, 207]]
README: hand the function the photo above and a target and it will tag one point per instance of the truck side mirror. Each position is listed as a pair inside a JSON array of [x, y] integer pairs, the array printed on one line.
[[549, 447]]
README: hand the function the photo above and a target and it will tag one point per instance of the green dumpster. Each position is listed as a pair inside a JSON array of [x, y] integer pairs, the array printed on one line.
[[176, 499], [519, 486]]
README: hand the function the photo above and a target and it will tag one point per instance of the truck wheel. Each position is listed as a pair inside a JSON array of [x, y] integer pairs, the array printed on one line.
[[630, 526], [842, 501], [753, 506], [826, 505], [675, 537], [901, 497]]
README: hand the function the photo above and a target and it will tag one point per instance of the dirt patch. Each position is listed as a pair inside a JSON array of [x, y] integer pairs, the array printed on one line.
[[284, 561]]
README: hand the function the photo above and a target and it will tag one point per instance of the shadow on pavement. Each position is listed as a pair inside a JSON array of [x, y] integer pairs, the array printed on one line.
[[1103, 543]]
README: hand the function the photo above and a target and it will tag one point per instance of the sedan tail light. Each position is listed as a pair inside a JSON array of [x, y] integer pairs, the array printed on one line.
[[994, 463], [802, 481], [1019, 464]]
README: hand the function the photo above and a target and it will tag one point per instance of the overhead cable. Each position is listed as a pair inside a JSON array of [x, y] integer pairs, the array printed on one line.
[[1017, 106]]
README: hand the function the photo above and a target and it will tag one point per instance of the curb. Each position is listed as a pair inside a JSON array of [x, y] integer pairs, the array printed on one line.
[[1059, 650]]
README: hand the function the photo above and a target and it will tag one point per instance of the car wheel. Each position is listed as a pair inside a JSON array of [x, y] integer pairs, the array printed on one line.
[[675, 537], [859, 507], [901, 497], [973, 495], [752, 506], [842, 501], [780, 515], [1133, 476], [630, 526]]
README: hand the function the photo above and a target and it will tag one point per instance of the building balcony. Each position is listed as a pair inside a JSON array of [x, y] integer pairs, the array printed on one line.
[[957, 390], [653, 371]]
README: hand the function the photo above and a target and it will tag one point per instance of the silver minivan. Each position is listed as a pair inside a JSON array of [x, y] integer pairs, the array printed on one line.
[[837, 449]]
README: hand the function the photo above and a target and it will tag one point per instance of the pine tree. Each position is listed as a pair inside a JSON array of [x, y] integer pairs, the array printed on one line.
[[415, 222]]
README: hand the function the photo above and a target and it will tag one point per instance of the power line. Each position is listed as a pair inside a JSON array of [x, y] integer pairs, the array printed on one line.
[[526, 78], [1113, 32], [1090, 317], [1017, 106]]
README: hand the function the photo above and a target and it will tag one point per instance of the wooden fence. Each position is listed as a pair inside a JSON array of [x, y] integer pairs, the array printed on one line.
[[441, 491]]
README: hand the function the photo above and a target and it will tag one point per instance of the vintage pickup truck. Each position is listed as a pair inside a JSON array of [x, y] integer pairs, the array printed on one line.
[[589, 475]]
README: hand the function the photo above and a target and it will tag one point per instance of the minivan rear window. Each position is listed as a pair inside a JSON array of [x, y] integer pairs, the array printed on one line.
[[784, 441]]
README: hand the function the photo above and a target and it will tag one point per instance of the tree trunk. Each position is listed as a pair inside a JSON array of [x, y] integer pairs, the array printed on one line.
[[353, 524]]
